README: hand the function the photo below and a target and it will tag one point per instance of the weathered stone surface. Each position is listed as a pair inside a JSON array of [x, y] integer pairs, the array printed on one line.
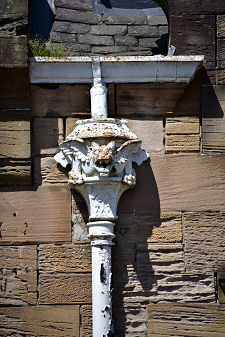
[[213, 121], [150, 132], [147, 99], [75, 4], [203, 241], [125, 40], [52, 289], [102, 29], [60, 100], [194, 34], [186, 320], [63, 37], [109, 49], [163, 30], [70, 27], [221, 26], [221, 53], [220, 76], [121, 20], [15, 172], [13, 10], [14, 139], [48, 134], [95, 40], [143, 31], [67, 258], [64, 14], [13, 52], [86, 321], [148, 42], [157, 20], [196, 6], [48, 321], [14, 89], [197, 184], [18, 275], [36, 216]]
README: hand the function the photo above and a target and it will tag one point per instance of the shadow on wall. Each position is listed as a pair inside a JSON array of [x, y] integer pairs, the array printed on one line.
[[41, 18], [133, 275]]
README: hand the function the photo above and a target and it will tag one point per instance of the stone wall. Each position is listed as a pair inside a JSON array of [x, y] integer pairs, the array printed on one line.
[[78, 31], [169, 237]]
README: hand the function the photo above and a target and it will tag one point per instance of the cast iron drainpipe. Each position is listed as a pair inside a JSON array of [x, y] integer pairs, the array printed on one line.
[[100, 189], [95, 148]]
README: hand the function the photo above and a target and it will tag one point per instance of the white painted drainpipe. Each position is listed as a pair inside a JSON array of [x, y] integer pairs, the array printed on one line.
[[102, 150]]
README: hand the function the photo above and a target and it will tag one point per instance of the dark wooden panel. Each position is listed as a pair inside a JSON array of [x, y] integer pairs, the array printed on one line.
[[48, 321], [36, 216], [180, 320]]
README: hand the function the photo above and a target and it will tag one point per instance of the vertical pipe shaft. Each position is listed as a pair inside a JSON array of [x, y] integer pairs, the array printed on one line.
[[101, 290]]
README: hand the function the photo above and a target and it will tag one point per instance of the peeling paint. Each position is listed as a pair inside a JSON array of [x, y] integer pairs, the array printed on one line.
[[102, 273]]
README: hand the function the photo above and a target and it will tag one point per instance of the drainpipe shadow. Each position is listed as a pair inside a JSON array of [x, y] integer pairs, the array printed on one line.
[[133, 274]]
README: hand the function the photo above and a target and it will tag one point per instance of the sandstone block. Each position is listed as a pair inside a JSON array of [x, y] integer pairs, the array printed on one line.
[[86, 321], [15, 172], [15, 139], [48, 321], [18, 271], [147, 99], [46, 170], [60, 100], [221, 53], [197, 181], [67, 258], [150, 132], [169, 319], [204, 244], [52, 289], [46, 217], [221, 26], [48, 134], [213, 121], [14, 89]]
